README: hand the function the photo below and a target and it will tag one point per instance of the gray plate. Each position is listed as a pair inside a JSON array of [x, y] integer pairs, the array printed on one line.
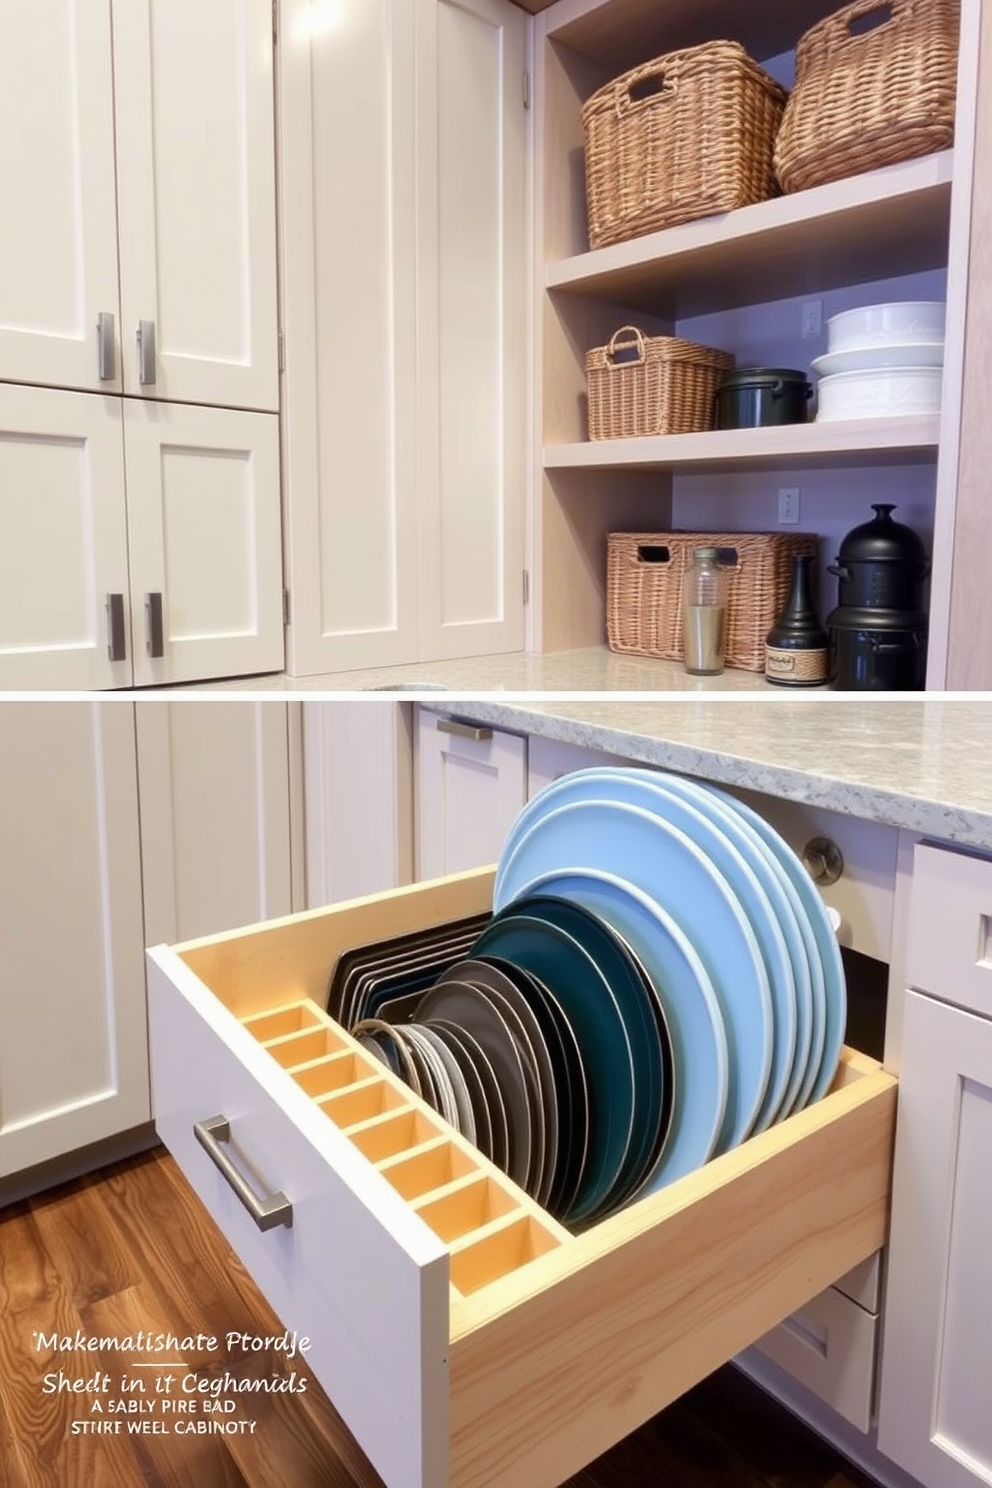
[[471, 1009], [464, 1114], [492, 1137]]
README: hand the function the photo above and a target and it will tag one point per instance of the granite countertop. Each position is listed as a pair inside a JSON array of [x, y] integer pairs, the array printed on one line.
[[592, 669], [922, 764]]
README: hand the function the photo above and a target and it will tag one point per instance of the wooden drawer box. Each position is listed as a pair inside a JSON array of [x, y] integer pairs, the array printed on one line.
[[471, 1341]]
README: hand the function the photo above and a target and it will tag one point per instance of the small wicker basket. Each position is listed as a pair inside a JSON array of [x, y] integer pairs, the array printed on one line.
[[642, 385], [865, 98], [645, 571], [701, 141]]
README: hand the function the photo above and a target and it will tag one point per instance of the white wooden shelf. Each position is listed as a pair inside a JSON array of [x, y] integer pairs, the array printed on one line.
[[856, 443], [884, 223]]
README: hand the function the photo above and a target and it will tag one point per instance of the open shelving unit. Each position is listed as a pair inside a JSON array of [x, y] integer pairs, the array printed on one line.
[[738, 281]]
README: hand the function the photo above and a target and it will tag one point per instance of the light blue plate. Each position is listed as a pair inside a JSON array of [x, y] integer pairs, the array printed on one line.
[[792, 994], [667, 864], [830, 1009], [721, 835], [695, 1023]]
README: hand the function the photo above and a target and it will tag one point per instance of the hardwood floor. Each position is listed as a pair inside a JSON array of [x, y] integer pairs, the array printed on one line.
[[130, 1249]]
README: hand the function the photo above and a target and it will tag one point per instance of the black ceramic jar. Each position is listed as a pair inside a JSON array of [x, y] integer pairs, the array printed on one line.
[[755, 397], [881, 565], [877, 650]]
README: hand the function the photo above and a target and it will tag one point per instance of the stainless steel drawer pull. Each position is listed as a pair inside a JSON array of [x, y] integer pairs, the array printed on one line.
[[153, 624], [106, 347], [146, 352], [116, 637], [475, 732], [266, 1212]]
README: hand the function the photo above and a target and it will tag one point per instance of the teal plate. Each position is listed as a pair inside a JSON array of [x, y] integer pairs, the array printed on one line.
[[594, 1013]]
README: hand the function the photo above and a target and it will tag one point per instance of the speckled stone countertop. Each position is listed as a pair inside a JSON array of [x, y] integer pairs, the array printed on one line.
[[923, 764], [593, 669]]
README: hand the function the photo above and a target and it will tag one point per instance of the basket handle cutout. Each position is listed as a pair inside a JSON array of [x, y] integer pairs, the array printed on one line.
[[649, 83], [870, 18], [647, 553], [729, 557], [626, 346]]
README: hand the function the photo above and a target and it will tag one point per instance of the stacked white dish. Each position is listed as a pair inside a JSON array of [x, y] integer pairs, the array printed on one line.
[[882, 361]]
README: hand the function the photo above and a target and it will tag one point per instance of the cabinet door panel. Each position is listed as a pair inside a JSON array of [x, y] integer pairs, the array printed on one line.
[[469, 792], [73, 1040], [472, 315], [204, 532], [58, 250], [937, 1354], [64, 545], [215, 816], [350, 312], [195, 157]]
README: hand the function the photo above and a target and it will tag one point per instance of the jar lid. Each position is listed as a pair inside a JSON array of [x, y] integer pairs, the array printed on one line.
[[882, 539], [759, 376], [708, 555]]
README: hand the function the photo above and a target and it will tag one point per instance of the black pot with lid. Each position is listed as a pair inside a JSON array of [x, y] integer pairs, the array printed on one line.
[[759, 397], [875, 650], [881, 565]]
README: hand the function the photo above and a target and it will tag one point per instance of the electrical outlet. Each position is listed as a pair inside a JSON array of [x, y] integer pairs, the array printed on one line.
[[812, 320], [788, 506]]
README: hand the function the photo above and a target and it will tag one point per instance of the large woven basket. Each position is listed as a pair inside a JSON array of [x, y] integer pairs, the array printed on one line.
[[640, 385], [645, 572], [864, 97], [686, 135]]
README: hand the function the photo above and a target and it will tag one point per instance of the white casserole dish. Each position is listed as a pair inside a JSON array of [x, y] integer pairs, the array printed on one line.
[[880, 393]]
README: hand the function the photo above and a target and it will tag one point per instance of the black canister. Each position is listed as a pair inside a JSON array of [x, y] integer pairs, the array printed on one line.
[[797, 648], [881, 565], [755, 397], [874, 650]]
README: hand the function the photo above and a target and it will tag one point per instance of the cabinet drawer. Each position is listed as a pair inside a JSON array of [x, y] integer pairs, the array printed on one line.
[[949, 950], [466, 1338], [829, 1346]]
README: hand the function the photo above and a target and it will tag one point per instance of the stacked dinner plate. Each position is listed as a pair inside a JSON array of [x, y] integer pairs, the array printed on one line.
[[882, 361], [659, 980]]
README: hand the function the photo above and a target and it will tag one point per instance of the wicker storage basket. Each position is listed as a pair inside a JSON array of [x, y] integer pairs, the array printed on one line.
[[867, 98], [652, 385], [701, 142], [644, 590]]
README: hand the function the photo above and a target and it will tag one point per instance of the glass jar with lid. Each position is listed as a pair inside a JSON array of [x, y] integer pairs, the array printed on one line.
[[704, 613]]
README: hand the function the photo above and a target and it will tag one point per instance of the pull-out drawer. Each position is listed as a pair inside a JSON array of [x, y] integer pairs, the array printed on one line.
[[466, 1338], [829, 1346]]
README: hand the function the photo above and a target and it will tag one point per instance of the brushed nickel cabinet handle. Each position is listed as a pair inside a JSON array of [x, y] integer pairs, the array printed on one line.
[[146, 352], [153, 624], [476, 732], [116, 635], [267, 1212], [106, 347]]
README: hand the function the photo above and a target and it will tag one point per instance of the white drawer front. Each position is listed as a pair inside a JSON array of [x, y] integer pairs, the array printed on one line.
[[357, 1271], [950, 930], [829, 1346], [864, 1284]]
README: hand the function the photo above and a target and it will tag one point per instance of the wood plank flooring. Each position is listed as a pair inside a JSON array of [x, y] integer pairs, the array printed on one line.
[[131, 1249]]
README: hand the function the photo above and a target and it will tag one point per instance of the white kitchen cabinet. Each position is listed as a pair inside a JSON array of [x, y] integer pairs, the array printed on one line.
[[216, 819], [73, 1040], [404, 251], [937, 1349], [141, 541], [204, 541], [470, 783], [63, 550], [58, 250], [196, 185]]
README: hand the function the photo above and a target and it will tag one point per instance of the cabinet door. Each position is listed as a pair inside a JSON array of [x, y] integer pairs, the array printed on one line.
[[470, 784], [64, 545], [205, 541], [215, 816], [196, 174], [472, 319], [934, 1415], [73, 1040], [349, 287], [58, 249]]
